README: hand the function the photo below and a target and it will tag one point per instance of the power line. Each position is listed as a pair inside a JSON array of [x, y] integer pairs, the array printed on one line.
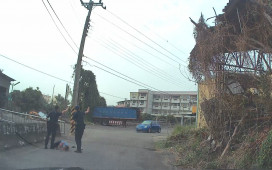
[[138, 65], [137, 38], [62, 23], [161, 92], [143, 34], [125, 78], [52, 76], [34, 69], [166, 41], [143, 61], [58, 28], [147, 52], [111, 95], [117, 72]]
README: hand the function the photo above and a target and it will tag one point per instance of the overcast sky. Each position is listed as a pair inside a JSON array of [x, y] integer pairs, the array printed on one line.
[[154, 51]]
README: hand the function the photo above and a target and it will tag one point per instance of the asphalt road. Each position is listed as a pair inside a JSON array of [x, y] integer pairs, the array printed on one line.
[[104, 148]]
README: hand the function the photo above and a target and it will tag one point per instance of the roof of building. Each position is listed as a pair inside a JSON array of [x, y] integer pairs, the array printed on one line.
[[2, 75], [175, 92], [167, 92]]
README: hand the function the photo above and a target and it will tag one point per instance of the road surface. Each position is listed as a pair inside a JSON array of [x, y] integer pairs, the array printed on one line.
[[104, 147]]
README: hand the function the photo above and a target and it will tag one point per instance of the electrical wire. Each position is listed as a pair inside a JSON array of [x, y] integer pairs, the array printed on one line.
[[137, 38], [61, 23], [127, 79], [145, 62], [34, 69], [143, 34], [64, 26], [112, 50], [52, 76], [117, 72], [58, 28], [112, 95], [165, 40]]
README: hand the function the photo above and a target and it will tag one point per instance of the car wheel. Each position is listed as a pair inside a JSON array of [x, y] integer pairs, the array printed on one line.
[[159, 131]]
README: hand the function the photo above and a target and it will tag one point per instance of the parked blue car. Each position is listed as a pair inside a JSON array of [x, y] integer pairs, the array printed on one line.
[[148, 126]]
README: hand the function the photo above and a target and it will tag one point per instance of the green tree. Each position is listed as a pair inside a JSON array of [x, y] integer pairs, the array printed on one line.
[[61, 102], [89, 95], [147, 116], [29, 99]]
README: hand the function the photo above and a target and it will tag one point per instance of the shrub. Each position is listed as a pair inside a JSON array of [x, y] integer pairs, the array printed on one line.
[[264, 158]]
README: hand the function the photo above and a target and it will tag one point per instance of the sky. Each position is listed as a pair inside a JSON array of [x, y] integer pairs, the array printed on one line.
[[147, 43]]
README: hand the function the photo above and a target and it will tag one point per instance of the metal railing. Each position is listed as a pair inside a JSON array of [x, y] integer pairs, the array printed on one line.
[[9, 116]]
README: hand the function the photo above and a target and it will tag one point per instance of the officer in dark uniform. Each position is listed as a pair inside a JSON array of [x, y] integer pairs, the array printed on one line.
[[78, 117], [52, 126]]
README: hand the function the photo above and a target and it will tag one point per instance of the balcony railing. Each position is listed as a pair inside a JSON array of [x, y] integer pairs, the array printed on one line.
[[142, 97], [175, 100], [175, 107], [157, 100], [156, 107], [166, 107], [165, 100], [142, 105], [133, 104]]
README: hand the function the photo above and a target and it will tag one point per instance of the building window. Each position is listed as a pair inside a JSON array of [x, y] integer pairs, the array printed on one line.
[[185, 97], [185, 104], [141, 102], [175, 98], [142, 95]]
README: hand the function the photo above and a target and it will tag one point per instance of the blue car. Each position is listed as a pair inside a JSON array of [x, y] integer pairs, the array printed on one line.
[[148, 126]]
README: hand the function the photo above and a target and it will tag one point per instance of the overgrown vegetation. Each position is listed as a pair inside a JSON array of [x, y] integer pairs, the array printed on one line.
[[233, 59], [193, 149]]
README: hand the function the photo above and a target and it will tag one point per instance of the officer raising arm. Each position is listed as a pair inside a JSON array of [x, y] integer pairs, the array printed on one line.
[[52, 125], [78, 117]]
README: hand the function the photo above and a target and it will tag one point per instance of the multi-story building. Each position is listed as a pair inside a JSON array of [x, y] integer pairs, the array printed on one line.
[[124, 103], [175, 103]]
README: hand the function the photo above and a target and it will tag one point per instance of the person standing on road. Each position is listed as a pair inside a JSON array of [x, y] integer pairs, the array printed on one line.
[[78, 117], [52, 125]]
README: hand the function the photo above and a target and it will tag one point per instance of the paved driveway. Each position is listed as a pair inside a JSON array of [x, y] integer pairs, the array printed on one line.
[[104, 147]]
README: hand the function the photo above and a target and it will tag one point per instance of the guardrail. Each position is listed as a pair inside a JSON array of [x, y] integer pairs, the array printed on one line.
[[9, 116]]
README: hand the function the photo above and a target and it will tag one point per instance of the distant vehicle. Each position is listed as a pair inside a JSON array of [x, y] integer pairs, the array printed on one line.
[[149, 126], [106, 115]]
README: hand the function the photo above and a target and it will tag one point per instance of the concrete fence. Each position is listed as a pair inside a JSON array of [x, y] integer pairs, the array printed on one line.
[[18, 134], [18, 129]]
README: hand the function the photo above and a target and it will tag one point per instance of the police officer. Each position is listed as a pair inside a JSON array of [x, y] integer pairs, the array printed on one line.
[[78, 117], [52, 125]]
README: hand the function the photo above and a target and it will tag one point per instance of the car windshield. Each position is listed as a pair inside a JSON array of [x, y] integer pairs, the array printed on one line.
[[146, 122]]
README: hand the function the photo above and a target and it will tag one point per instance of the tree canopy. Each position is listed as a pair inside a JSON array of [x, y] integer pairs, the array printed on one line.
[[29, 99], [89, 95]]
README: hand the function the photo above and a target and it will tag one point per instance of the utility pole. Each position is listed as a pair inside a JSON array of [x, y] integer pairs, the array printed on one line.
[[89, 6]]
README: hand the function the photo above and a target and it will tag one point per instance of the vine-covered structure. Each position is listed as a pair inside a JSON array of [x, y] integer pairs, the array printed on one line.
[[231, 60]]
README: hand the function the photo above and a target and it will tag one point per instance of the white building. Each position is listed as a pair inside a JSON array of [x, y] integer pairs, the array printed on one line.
[[175, 103]]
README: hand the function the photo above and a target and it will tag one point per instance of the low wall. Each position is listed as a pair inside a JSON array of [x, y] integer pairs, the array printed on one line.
[[15, 134]]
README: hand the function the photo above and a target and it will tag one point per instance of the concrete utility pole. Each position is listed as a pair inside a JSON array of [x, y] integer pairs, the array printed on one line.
[[89, 6]]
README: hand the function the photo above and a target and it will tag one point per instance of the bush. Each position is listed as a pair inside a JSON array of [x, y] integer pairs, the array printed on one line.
[[184, 130], [264, 158], [146, 116], [171, 119]]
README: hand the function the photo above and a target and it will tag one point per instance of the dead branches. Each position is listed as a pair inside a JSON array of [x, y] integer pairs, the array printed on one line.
[[231, 138]]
